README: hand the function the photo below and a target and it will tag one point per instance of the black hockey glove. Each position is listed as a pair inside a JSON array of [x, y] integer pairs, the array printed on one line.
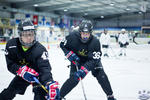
[[127, 43]]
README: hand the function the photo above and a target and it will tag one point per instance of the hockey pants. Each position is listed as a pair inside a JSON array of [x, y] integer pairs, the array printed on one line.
[[100, 76]]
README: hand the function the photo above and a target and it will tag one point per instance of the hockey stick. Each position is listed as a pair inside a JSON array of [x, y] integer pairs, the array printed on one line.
[[80, 80], [114, 54], [37, 81]]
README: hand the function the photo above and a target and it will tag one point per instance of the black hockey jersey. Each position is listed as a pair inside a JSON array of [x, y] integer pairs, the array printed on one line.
[[89, 53], [35, 57]]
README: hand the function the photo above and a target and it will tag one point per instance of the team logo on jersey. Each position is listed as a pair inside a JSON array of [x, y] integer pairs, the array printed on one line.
[[144, 95], [82, 52], [96, 55], [23, 62], [45, 56]]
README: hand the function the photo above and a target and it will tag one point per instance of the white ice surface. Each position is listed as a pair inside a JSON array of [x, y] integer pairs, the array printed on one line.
[[128, 75]]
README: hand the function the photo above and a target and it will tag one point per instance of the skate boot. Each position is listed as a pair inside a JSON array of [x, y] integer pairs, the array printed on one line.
[[106, 55], [120, 54]]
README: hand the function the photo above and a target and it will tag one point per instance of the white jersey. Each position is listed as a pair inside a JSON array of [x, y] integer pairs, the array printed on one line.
[[105, 39], [123, 38]]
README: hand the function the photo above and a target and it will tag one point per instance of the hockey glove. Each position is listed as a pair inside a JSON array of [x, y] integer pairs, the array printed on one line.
[[27, 73], [53, 91], [111, 97], [81, 73], [127, 43], [72, 57]]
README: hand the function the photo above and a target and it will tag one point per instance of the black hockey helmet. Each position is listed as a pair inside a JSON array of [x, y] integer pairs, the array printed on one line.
[[105, 30], [86, 26], [85, 29], [26, 25]]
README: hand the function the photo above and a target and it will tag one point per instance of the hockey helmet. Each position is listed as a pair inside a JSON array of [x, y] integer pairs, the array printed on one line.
[[23, 27], [85, 29], [105, 31], [86, 26], [123, 30]]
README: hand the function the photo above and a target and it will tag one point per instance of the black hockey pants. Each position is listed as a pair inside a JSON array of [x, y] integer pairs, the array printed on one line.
[[18, 86], [98, 73]]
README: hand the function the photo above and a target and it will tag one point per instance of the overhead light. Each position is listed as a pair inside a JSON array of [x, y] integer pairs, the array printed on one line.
[[65, 10], [35, 5], [102, 16], [140, 12], [112, 4], [128, 9], [85, 13]]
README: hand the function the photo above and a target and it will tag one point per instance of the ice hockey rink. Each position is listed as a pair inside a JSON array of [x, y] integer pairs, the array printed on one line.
[[129, 75]]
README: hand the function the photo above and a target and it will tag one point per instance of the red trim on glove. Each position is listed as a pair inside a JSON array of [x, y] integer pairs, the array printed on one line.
[[69, 54], [85, 70]]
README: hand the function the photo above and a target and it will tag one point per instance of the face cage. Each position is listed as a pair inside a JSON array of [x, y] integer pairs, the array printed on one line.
[[27, 44]]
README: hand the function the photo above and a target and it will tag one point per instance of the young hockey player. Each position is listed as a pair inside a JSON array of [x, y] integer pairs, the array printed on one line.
[[83, 49], [26, 58], [105, 42], [123, 41]]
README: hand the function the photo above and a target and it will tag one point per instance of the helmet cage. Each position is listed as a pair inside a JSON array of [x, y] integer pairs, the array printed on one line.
[[26, 25], [86, 26]]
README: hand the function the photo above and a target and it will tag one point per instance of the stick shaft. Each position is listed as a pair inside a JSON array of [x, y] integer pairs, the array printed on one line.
[[37, 81]]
